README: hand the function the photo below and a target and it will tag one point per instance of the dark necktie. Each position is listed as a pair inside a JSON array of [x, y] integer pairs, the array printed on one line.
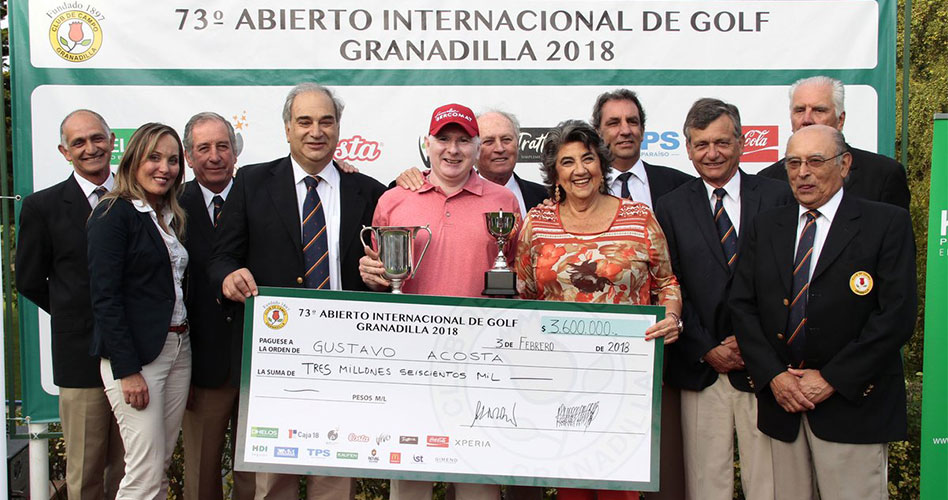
[[315, 241], [725, 228], [218, 205], [796, 320], [99, 192], [624, 179]]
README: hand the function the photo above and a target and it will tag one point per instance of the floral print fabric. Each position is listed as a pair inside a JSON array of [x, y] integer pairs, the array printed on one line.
[[626, 264]]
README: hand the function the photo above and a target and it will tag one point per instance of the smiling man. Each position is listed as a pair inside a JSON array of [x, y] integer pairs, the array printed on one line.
[[294, 222], [53, 272], [452, 202], [703, 221], [822, 300]]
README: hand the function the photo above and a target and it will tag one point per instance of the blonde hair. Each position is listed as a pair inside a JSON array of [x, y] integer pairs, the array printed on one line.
[[142, 143]]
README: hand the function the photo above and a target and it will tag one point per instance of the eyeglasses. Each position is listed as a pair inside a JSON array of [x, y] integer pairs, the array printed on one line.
[[812, 162]]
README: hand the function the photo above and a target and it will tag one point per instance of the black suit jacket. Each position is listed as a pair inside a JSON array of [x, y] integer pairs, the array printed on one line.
[[871, 176], [131, 285], [53, 272], [533, 193], [260, 227], [702, 271], [215, 345], [663, 180], [853, 340]]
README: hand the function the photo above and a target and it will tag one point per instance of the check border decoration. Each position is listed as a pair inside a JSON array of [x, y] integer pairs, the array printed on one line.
[[435, 455]]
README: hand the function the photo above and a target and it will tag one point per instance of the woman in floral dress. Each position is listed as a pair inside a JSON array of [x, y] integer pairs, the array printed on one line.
[[593, 247]]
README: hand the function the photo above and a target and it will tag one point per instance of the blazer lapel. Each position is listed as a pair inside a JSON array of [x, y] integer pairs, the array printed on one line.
[[152, 231], [193, 202], [784, 239], [352, 205], [77, 205], [656, 183], [283, 194], [750, 200], [700, 206], [841, 232]]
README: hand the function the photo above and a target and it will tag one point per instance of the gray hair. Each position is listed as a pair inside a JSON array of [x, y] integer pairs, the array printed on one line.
[[839, 90], [616, 95], [573, 131], [514, 122], [62, 124], [706, 110], [202, 117], [305, 87]]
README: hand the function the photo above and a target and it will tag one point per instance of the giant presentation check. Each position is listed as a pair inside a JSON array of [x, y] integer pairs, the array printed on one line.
[[450, 389]]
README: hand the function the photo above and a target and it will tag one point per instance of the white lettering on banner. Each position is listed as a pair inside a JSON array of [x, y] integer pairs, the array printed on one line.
[[944, 222], [421, 34]]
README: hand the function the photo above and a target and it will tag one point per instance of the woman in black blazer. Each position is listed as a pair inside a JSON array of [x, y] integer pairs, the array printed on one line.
[[136, 268]]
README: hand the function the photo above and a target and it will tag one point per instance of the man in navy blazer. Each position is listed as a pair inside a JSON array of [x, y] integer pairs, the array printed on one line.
[[706, 364], [823, 299], [619, 118], [53, 272], [210, 149], [260, 233]]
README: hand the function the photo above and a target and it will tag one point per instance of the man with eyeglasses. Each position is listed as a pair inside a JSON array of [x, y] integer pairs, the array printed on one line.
[[820, 100], [703, 221], [823, 299]]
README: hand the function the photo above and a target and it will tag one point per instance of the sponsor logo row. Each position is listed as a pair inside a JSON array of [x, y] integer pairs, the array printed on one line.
[[432, 441]]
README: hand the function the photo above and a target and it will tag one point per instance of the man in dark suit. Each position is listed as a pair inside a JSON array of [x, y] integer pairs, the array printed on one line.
[[209, 146], [703, 220], [820, 99], [52, 271], [619, 118], [821, 328], [260, 234]]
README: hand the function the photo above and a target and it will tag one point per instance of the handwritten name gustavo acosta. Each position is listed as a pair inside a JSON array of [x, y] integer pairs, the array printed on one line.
[[577, 416]]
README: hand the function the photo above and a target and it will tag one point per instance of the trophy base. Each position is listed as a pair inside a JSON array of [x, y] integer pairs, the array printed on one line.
[[500, 283]]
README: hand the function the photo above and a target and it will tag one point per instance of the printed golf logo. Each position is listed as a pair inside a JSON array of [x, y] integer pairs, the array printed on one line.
[[275, 316], [75, 35]]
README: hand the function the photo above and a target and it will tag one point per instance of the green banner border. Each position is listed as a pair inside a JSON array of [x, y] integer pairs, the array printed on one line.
[[25, 78], [506, 304]]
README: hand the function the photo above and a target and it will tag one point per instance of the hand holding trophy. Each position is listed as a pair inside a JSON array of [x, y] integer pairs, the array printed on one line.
[[396, 251]]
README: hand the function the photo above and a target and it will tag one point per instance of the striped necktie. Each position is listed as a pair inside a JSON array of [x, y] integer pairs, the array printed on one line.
[[315, 241], [218, 202], [725, 228], [796, 320], [624, 179], [99, 192]]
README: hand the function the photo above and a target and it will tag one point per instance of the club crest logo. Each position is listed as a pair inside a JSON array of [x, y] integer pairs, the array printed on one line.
[[75, 35], [275, 316], [860, 283]]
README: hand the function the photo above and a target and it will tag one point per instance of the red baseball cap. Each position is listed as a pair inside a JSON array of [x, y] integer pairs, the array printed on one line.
[[454, 113]]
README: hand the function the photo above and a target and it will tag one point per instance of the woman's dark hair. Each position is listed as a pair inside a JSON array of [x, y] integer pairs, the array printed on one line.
[[573, 131]]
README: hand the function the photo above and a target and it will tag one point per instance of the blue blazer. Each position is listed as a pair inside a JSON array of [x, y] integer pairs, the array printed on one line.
[[131, 285]]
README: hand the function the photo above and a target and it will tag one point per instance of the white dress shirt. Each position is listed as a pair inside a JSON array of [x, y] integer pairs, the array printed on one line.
[[638, 184], [823, 223], [328, 191], [209, 198], [89, 188], [176, 253], [515, 189], [732, 200]]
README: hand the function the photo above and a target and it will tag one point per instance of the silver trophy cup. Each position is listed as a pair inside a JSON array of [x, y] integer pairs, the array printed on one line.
[[396, 251], [500, 280]]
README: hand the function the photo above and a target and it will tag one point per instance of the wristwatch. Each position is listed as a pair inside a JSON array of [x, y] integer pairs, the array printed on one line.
[[678, 322]]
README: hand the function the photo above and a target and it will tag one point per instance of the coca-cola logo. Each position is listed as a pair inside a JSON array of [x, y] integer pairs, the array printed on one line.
[[357, 148], [761, 143], [531, 144]]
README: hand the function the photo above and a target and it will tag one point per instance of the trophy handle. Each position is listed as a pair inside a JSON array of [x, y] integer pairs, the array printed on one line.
[[362, 235], [414, 268]]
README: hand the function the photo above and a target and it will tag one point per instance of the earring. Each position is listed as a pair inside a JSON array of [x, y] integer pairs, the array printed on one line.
[[556, 195]]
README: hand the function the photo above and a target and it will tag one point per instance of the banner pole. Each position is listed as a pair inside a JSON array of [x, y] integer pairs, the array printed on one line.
[[39, 462], [906, 69]]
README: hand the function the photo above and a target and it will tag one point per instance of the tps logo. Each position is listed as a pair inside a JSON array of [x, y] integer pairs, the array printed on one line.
[[317, 453], [662, 144], [275, 316], [438, 441], [357, 148], [395, 457], [285, 452], [760, 143], [75, 35]]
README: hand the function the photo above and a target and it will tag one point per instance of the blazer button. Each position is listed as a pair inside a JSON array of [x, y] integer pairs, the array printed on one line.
[[229, 319], [299, 280], [786, 302], [779, 336]]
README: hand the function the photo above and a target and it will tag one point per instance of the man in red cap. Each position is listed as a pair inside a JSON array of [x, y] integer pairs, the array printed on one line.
[[452, 202]]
